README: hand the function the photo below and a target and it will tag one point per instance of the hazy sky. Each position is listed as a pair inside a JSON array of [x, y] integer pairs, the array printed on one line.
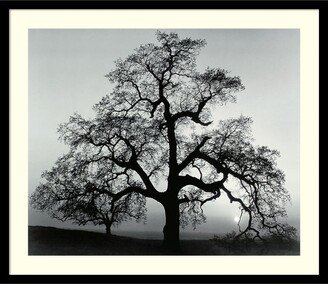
[[66, 75]]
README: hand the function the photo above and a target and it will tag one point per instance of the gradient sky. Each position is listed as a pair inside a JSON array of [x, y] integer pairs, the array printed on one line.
[[66, 75]]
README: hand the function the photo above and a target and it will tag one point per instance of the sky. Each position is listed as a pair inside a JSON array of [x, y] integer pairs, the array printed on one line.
[[67, 71]]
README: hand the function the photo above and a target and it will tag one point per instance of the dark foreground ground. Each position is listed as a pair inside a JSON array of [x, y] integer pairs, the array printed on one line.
[[53, 241]]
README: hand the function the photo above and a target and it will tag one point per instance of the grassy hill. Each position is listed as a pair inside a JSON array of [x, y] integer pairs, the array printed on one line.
[[54, 241]]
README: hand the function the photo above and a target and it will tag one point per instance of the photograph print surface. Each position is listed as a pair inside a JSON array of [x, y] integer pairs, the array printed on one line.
[[155, 142]]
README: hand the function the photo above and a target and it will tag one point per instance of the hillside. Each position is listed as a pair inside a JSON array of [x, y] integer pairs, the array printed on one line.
[[54, 241]]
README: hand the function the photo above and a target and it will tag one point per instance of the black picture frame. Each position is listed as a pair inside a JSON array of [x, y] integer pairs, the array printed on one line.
[[6, 6]]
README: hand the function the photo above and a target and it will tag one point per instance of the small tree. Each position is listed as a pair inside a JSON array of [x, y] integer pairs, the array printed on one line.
[[80, 191], [154, 127]]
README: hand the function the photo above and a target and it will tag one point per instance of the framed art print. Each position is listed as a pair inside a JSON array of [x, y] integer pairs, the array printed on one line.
[[160, 142]]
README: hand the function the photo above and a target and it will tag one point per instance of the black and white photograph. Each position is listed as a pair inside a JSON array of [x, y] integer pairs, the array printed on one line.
[[164, 142]]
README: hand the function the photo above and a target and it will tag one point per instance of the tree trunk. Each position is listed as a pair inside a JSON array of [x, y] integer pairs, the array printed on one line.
[[108, 229], [171, 228]]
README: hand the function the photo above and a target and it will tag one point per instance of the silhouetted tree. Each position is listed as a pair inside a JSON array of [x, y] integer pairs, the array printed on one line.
[[71, 190], [153, 127]]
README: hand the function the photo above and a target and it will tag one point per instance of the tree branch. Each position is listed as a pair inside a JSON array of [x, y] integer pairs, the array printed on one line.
[[220, 168], [207, 187], [193, 155], [194, 115]]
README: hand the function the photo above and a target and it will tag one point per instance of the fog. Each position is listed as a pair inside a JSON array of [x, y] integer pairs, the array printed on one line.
[[66, 75]]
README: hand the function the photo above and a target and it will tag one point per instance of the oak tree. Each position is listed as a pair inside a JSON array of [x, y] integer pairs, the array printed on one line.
[[72, 190]]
